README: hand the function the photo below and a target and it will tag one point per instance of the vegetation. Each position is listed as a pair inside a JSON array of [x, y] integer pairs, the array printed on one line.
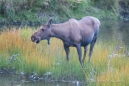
[[40, 10], [41, 58]]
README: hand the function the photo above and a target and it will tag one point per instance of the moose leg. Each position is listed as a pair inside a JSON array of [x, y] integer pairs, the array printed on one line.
[[67, 51], [78, 46], [85, 50], [91, 48]]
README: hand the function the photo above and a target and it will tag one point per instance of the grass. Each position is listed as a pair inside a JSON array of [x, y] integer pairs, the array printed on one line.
[[41, 58]]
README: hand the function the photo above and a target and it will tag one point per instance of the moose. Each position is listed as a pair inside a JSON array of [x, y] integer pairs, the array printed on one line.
[[73, 33]]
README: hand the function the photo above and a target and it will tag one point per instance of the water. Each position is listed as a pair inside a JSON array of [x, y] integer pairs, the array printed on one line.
[[114, 31], [110, 31], [14, 80]]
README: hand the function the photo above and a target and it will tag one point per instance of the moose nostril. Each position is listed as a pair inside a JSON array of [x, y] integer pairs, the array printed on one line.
[[33, 38]]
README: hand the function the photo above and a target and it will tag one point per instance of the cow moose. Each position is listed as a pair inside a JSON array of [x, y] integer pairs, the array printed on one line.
[[74, 33]]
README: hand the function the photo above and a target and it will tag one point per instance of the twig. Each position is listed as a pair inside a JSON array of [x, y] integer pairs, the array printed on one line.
[[126, 53], [109, 60], [23, 81], [12, 58]]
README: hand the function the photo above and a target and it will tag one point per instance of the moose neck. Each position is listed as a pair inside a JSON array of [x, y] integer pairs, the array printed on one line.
[[60, 31]]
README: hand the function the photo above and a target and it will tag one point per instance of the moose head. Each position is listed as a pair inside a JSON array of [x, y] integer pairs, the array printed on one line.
[[43, 33]]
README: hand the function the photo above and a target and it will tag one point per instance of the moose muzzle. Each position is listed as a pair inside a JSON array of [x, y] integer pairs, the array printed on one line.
[[34, 39]]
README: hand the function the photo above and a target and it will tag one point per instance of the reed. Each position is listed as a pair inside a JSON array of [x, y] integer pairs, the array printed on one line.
[[41, 58]]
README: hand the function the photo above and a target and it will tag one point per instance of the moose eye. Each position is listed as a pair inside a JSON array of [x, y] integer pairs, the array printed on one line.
[[43, 30]]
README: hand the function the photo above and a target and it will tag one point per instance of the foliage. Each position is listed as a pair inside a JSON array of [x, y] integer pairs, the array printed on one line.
[[39, 10]]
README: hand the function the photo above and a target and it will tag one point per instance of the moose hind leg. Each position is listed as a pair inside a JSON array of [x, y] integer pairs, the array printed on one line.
[[91, 47], [85, 51], [67, 51]]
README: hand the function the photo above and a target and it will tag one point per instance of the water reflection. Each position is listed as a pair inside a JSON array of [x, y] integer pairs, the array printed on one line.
[[14, 80], [106, 32], [124, 32], [112, 31]]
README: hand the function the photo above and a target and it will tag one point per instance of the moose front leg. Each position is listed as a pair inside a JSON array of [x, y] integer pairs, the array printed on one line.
[[78, 46], [67, 51]]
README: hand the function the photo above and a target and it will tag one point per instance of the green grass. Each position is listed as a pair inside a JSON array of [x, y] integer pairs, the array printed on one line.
[[41, 58]]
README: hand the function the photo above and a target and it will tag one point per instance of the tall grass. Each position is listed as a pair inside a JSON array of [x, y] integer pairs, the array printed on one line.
[[41, 58]]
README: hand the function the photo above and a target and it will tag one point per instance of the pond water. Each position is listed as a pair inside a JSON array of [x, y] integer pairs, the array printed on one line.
[[114, 31], [15, 80], [109, 31]]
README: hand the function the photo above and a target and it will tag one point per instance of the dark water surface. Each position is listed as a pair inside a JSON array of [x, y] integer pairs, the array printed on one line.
[[114, 32], [110, 31], [14, 80]]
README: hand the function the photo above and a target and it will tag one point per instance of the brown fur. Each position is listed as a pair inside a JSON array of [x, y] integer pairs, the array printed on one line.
[[74, 32]]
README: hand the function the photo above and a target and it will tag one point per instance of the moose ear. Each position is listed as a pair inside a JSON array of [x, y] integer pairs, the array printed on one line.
[[50, 21]]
